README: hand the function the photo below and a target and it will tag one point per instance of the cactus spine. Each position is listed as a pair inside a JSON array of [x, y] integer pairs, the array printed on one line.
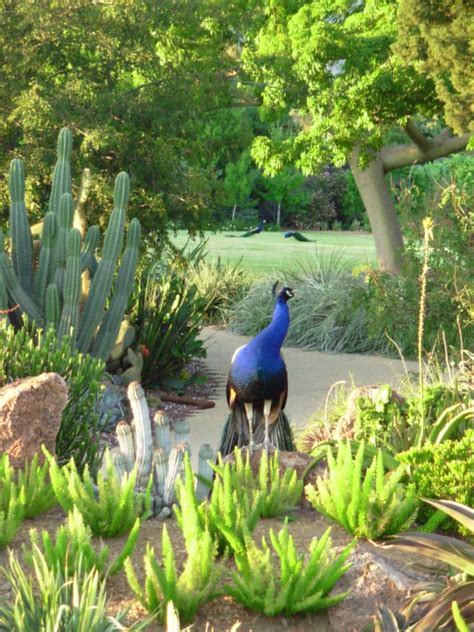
[[22, 243], [102, 281]]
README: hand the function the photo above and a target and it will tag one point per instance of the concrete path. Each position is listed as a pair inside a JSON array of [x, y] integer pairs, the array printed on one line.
[[310, 375]]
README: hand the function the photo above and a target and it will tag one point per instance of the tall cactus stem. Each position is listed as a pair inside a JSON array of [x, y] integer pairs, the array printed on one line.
[[15, 290], [109, 329], [160, 461], [121, 463], [182, 431], [22, 242], [62, 170], [175, 469], [126, 442], [51, 306], [72, 286], [4, 320], [142, 431], [161, 431], [207, 456], [66, 212], [102, 281], [91, 242], [45, 273]]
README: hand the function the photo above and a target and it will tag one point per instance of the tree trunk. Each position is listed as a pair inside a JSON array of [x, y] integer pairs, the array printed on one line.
[[380, 208], [278, 213], [233, 213]]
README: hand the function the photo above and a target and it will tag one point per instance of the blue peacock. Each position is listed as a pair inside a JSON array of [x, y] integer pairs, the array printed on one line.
[[257, 387]]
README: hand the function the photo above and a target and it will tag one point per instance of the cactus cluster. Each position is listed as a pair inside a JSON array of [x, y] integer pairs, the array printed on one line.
[[147, 446], [69, 289]]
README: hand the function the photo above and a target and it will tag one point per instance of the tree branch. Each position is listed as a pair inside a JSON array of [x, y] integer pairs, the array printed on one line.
[[394, 156], [417, 136]]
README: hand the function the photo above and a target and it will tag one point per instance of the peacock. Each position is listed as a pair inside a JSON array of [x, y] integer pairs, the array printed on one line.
[[257, 387], [298, 236]]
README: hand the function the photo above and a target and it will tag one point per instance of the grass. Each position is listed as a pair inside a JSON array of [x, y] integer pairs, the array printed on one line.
[[269, 251]]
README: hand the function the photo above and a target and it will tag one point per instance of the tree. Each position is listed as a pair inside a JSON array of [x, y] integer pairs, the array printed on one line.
[[239, 181], [141, 83], [286, 190], [332, 64]]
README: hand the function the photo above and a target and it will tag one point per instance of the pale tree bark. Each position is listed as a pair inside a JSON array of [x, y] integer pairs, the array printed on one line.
[[233, 212], [278, 213], [373, 187]]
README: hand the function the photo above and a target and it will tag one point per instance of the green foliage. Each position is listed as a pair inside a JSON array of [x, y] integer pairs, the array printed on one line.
[[11, 514], [166, 313], [239, 180], [188, 590], [36, 491], [50, 600], [323, 317], [279, 493], [298, 585], [221, 285], [443, 471], [73, 548], [31, 352], [368, 504], [228, 515], [109, 508]]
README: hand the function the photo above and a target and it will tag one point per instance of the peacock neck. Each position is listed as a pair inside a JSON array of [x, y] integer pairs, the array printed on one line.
[[272, 337]]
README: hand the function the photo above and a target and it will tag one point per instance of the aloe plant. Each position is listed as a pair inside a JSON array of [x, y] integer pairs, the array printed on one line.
[[50, 295]]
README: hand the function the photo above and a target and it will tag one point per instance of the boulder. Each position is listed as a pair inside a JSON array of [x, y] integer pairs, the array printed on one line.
[[30, 415]]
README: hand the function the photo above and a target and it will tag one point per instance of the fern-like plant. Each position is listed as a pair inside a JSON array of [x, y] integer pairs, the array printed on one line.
[[296, 585], [369, 504], [109, 508], [73, 542], [279, 492], [11, 517], [33, 480], [48, 601], [228, 515], [195, 585]]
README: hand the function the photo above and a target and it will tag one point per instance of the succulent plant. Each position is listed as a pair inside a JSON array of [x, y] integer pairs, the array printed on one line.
[[69, 288], [148, 446]]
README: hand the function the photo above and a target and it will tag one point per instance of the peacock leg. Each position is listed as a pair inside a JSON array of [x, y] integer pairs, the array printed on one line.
[[267, 408], [249, 411]]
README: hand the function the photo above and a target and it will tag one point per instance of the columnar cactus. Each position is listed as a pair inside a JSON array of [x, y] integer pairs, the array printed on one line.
[[52, 294], [151, 453]]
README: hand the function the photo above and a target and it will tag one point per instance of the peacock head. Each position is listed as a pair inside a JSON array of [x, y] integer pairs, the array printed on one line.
[[284, 294]]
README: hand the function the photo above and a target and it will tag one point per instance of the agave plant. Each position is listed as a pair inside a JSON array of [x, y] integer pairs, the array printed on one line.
[[452, 607]]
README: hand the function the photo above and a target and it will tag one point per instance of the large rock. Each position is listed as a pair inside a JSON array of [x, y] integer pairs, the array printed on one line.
[[30, 415]]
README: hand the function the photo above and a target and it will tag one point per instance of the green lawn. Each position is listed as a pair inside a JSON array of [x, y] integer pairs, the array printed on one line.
[[271, 251]]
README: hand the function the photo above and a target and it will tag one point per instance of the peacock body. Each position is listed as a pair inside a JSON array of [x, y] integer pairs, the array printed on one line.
[[257, 387]]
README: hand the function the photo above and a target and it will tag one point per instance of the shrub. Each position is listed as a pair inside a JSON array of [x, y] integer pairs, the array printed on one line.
[[109, 508], [279, 493], [11, 516], [322, 314], [227, 516], [443, 471], [167, 315], [188, 590], [296, 586], [31, 352], [49, 600], [35, 491], [370, 504], [73, 548]]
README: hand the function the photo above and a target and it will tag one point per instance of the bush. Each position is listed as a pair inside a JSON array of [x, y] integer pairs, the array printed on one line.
[[49, 600], [322, 315], [109, 508], [196, 584], [443, 471], [296, 587], [369, 505], [167, 314], [73, 548], [30, 352]]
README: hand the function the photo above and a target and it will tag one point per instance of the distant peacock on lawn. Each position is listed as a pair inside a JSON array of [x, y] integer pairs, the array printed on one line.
[[257, 387]]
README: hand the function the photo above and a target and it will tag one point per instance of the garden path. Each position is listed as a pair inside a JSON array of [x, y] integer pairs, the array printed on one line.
[[310, 376]]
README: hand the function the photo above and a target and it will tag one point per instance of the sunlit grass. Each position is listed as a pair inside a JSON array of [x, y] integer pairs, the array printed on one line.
[[265, 252]]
